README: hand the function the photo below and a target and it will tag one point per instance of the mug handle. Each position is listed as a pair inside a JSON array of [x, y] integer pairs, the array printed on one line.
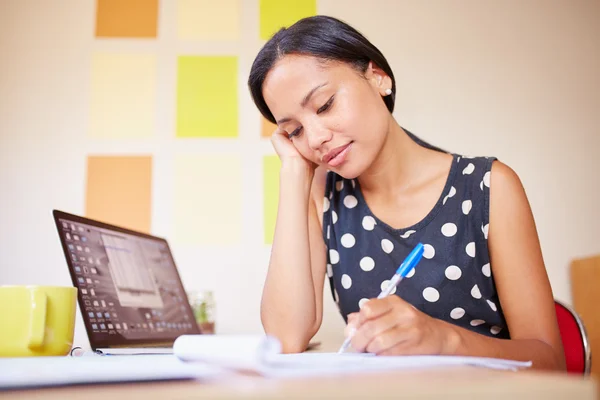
[[38, 318]]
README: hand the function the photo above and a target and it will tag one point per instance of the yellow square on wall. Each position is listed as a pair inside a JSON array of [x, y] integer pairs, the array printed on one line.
[[208, 19], [126, 18], [276, 14], [271, 167], [123, 95], [207, 98]]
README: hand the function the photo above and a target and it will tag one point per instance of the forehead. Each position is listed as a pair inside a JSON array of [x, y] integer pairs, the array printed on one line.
[[294, 75]]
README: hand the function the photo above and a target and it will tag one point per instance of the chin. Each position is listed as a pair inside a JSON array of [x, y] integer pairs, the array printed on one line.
[[348, 170]]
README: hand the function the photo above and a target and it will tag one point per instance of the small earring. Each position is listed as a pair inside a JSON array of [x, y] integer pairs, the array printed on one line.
[[388, 92]]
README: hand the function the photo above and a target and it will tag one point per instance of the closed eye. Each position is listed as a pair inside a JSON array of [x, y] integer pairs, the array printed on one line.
[[295, 133], [326, 106]]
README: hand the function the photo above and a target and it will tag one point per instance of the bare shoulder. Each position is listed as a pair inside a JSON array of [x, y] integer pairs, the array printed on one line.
[[505, 183], [504, 174]]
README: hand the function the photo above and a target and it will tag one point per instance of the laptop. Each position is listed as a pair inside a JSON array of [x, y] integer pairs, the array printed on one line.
[[129, 289]]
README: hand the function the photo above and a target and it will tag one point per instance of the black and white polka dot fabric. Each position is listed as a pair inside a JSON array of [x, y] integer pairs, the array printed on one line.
[[453, 281]]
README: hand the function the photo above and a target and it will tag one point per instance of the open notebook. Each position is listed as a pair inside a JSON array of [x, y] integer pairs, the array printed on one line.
[[204, 357], [262, 355]]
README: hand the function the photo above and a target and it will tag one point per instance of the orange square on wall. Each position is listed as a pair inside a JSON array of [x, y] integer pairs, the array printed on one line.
[[119, 191], [126, 18], [267, 128]]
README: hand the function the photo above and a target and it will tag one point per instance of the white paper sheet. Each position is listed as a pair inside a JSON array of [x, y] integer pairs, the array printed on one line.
[[262, 354], [32, 372]]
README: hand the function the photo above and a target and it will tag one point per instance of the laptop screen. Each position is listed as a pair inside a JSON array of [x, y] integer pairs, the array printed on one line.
[[130, 292]]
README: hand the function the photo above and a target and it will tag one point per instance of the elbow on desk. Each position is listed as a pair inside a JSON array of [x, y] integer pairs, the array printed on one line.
[[290, 343]]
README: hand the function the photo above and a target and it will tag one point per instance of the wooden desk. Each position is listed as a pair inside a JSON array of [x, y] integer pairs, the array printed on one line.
[[457, 383]]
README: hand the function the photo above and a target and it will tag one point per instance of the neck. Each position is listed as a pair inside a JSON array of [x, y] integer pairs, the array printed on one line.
[[396, 165]]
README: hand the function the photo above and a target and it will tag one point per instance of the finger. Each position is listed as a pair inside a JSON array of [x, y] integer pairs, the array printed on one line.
[[405, 347], [281, 142], [353, 318], [391, 342], [374, 308], [370, 329], [351, 325]]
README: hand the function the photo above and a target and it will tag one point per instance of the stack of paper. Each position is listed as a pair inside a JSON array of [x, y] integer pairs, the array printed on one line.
[[29, 372], [262, 354]]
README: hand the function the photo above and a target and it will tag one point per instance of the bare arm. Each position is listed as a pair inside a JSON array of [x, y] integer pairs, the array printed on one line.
[[292, 302], [390, 326], [521, 280]]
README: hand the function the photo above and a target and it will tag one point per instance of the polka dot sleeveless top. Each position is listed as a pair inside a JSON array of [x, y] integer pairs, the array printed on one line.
[[453, 282]]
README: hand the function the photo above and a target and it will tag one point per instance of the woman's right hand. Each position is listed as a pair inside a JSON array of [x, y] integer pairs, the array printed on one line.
[[287, 152]]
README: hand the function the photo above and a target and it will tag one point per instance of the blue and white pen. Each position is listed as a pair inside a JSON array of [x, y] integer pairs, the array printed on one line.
[[407, 265]]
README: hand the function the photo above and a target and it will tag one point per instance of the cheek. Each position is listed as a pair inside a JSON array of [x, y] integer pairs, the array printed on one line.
[[305, 151]]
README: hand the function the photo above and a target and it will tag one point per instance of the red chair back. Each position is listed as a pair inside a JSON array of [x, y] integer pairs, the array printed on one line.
[[574, 339]]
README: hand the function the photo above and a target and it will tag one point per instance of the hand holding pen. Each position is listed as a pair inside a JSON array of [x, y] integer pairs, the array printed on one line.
[[407, 266]]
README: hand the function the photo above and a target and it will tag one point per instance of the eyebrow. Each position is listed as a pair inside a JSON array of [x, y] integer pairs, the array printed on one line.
[[304, 101]]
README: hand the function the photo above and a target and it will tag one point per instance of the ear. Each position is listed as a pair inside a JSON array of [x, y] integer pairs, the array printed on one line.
[[378, 78]]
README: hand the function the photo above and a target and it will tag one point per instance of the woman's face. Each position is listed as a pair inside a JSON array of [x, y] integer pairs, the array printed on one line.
[[334, 115]]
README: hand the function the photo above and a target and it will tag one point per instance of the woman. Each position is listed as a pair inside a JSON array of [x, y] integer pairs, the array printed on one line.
[[358, 192]]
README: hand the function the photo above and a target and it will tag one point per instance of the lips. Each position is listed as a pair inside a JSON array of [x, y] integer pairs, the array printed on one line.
[[336, 156]]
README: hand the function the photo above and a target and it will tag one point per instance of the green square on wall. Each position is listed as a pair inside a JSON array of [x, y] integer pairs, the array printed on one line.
[[275, 14], [207, 98]]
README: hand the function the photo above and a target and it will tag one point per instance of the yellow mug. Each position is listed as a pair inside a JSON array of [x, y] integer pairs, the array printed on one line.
[[37, 320]]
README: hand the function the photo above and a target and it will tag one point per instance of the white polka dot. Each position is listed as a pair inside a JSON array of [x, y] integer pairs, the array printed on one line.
[[492, 305], [348, 240], [334, 256], [369, 223], [495, 330], [428, 251], [466, 206], [486, 270], [350, 201], [333, 217], [329, 270], [431, 295], [470, 249], [485, 229], [458, 159], [339, 185], [477, 322], [353, 183], [453, 272], [486, 179], [328, 232], [469, 169], [325, 204], [475, 292], [407, 234], [481, 185], [449, 229], [346, 281], [367, 264], [411, 273], [331, 195], [336, 296], [362, 302], [387, 246], [450, 194], [385, 284], [457, 313]]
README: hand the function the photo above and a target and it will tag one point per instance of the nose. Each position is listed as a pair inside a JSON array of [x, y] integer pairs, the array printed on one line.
[[317, 134]]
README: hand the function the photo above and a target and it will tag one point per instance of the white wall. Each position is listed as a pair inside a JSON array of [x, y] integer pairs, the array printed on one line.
[[517, 80]]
